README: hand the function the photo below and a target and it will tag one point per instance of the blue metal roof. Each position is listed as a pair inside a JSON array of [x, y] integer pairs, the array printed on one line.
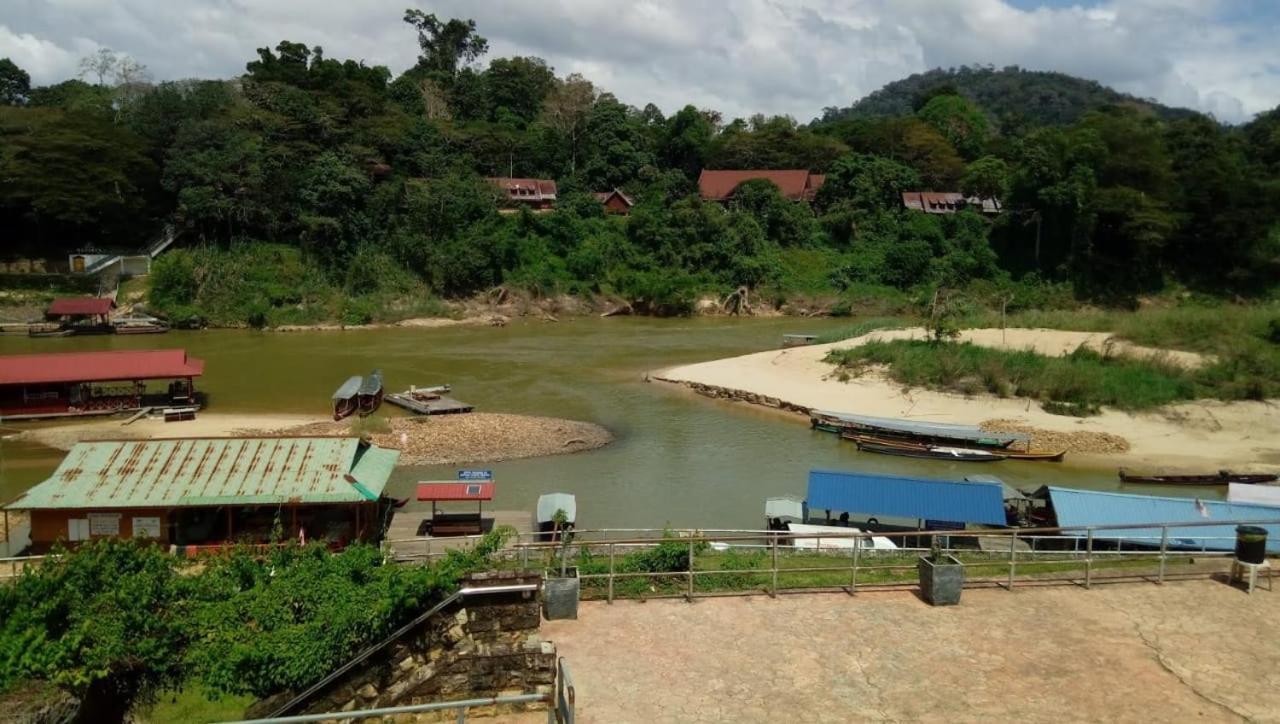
[[1092, 508], [875, 494]]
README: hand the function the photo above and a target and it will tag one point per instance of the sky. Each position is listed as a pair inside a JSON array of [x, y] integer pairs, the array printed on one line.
[[740, 57]]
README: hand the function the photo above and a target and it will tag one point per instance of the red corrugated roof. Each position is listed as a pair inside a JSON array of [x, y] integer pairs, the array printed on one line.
[[794, 184], [444, 492], [152, 364], [81, 305]]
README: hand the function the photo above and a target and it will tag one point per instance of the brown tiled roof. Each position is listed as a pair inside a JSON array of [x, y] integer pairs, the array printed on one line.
[[795, 184], [603, 196]]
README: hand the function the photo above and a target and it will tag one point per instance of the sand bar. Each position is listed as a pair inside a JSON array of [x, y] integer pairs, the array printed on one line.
[[1204, 435]]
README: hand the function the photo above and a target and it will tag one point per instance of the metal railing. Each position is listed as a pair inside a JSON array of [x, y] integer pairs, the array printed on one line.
[[1073, 553]]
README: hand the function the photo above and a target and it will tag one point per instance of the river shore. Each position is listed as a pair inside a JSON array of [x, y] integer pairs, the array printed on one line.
[[473, 437], [1197, 436]]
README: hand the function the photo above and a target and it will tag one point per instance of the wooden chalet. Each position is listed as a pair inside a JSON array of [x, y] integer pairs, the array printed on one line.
[[200, 493], [948, 202], [614, 202], [70, 384], [533, 193], [794, 184]]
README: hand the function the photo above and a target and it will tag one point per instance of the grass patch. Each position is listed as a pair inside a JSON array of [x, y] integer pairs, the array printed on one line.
[[193, 703], [1083, 377]]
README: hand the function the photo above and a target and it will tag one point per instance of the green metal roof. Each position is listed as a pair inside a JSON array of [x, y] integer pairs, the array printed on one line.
[[214, 471]]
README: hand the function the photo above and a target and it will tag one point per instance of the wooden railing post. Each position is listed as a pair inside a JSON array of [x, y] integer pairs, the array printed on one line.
[[1164, 551], [773, 591], [689, 593], [1013, 556], [610, 573], [853, 575], [1088, 559]]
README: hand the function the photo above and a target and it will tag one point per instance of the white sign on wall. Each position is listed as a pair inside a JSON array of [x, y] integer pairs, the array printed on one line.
[[146, 527], [104, 523]]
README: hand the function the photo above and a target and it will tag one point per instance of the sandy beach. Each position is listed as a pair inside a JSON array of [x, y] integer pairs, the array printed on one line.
[[1198, 436], [446, 439]]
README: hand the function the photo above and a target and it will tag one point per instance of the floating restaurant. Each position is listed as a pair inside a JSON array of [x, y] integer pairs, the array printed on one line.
[[71, 384], [195, 493]]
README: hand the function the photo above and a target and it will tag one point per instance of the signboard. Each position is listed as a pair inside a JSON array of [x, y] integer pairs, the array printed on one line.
[[146, 527], [475, 475], [942, 525], [104, 524]]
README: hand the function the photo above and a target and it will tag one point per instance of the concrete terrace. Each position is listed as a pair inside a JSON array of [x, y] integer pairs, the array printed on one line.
[[1188, 650]]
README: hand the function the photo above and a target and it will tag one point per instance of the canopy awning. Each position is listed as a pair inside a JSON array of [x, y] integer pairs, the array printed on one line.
[[922, 498], [444, 492], [33, 369], [549, 503]]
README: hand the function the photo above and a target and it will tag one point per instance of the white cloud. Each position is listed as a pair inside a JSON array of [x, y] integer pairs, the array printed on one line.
[[739, 56]]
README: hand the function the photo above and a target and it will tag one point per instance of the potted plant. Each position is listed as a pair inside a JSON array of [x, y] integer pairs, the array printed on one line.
[[560, 592], [941, 576]]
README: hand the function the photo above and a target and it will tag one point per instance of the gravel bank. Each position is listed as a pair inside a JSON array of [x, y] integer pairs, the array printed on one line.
[[471, 438]]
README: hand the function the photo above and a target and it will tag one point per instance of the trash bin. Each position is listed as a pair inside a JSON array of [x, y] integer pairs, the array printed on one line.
[[1251, 544]]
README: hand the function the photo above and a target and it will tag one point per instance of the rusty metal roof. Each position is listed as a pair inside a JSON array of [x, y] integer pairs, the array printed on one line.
[[214, 471], [793, 183]]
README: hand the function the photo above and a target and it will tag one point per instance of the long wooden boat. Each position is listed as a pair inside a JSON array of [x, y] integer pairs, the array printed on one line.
[[1051, 457], [935, 453], [369, 396], [919, 431], [140, 325], [48, 330], [1223, 477], [345, 401]]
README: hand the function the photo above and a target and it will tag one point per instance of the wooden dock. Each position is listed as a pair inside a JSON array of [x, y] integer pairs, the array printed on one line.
[[404, 534], [438, 406]]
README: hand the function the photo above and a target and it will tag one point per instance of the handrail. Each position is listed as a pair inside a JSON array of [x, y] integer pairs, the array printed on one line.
[[363, 656], [462, 704]]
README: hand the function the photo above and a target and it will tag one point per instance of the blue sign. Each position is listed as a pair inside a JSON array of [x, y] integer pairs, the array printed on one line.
[[475, 475], [942, 525]]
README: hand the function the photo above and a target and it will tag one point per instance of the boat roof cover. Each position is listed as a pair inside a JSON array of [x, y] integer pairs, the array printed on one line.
[[1010, 492], [444, 492], [921, 427], [214, 471], [77, 306], [114, 366], [924, 498], [1075, 507], [549, 503], [349, 389], [876, 542], [372, 383], [784, 507], [1254, 494]]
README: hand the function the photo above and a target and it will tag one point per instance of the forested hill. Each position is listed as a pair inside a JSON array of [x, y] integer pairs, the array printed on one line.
[[1012, 95]]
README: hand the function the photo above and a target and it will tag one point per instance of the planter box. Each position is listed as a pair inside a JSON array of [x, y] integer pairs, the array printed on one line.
[[941, 583], [560, 595]]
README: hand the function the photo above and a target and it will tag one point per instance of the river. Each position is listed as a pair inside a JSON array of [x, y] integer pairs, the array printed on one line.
[[679, 459]]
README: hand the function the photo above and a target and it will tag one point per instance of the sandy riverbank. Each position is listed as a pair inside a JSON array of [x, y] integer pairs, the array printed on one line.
[[1205, 435], [474, 437]]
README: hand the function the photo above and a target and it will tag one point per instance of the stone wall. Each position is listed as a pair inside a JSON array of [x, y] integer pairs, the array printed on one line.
[[728, 393], [485, 645]]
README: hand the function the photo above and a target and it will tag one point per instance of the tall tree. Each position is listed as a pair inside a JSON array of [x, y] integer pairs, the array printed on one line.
[[445, 46], [15, 84], [566, 109], [101, 64]]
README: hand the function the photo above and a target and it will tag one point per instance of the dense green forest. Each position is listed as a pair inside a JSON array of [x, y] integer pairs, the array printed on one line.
[[312, 187]]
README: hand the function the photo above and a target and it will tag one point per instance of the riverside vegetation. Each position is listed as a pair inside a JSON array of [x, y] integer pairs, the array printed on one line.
[[311, 189], [117, 623], [1242, 345]]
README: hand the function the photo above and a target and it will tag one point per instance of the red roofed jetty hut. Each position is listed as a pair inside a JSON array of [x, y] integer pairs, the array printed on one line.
[[76, 315], [450, 524], [73, 384]]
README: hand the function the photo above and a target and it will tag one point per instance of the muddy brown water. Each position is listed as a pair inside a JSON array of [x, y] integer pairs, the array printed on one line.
[[680, 459]]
